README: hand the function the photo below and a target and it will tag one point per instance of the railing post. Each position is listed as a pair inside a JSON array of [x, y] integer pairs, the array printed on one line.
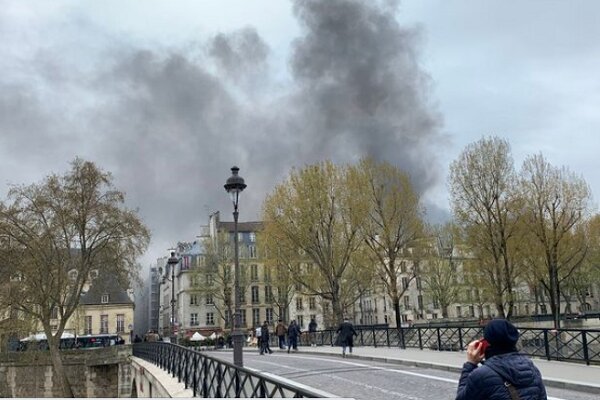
[[439, 338], [420, 338], [387, 334], [361, 337], [374, 337], [546, 344], [586, 355], [402, 343], [460, 339], [205, 379]]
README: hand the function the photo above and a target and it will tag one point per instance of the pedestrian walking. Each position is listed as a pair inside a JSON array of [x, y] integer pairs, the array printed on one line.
[[293, 333], [264, 339], [312, 332], [258, 334], [346, 335], [280, 331], [505, 374]]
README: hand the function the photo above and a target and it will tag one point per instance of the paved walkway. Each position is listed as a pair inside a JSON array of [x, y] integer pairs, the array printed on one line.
[[555, 373]]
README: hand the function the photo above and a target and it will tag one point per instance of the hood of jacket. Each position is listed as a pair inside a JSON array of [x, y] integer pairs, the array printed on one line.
[[515, 368]]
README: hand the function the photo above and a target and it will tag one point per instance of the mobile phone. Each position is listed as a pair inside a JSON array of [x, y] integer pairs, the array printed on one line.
[[482, 345]]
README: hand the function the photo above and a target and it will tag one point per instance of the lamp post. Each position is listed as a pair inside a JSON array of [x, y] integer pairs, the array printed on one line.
[[234, 186], [172, 262]]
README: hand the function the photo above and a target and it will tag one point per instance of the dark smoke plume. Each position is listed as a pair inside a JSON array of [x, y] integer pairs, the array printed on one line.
[[169, 123]]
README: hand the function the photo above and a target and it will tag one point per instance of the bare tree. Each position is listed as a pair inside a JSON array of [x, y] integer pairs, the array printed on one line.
[[556, 204], [394, 222], [315, 216], [487, 207], [440, 269], [60, 231]]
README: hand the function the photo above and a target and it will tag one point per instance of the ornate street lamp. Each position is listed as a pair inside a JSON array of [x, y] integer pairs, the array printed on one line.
[[172, 262], [234, 186]]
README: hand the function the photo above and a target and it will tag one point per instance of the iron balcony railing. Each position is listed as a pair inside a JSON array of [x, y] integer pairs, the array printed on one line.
[[561, 344], [210, 377]]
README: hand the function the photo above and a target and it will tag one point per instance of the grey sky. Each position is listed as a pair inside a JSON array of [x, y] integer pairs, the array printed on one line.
[[169, 95]]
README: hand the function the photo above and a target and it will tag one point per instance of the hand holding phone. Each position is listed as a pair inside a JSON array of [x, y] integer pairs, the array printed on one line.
[[482, 345], [476, 351]]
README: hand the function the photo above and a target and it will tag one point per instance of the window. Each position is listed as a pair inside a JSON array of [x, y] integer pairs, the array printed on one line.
[[256, 317], [299, 305], [209, 299], [267, 272], [194, 319], [252, 251], [404, 283], [104, 299], [243, 318], [420, 301], [268, 294], [209, 279], [458, 311], [240, 236], [312, 303], [300, 321], [193, 299], [210, 318], [104, 323], [406, 302], [120, 322], [88, 325], [54, 314], [419, 284], [436, 304], [252, 237], [269, 316], [227, 317], [402, 267], [471, 311], [242, 296], [434, 316], [254, 273], [255, 298]]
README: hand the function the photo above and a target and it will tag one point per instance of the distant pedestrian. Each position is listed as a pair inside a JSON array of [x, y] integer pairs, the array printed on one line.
[[312, 332], [346, 335], [264, 342], [293, 333], [258, 335], [505, 374], [137, 339], [280, 331]]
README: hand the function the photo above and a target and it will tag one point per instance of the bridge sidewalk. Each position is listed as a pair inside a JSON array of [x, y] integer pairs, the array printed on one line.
[[555, 373]]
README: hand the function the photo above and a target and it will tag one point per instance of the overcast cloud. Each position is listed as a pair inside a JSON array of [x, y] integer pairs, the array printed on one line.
[[169, 96]]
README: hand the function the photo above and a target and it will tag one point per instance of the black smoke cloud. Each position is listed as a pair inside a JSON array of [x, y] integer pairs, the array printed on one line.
[[169, 123]]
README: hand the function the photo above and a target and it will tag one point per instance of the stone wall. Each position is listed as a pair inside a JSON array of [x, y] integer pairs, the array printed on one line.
[[104, 372]]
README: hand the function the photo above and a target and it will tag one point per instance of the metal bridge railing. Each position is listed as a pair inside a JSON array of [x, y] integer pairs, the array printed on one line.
[[210, 377], [561, 344]]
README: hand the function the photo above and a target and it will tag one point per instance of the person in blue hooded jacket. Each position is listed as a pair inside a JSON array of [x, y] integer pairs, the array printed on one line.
[[505, 374]]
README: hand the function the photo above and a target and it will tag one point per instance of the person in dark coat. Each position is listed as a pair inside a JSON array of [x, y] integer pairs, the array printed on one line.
[[346, 335], [312, 332], [505, 373], [264, 339], [280, 331], [293, 333]]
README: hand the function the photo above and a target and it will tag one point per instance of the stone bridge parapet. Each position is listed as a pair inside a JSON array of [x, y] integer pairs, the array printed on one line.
[[101, 372]]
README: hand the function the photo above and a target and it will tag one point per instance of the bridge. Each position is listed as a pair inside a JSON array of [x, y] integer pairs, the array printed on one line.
[[568, 359], [385, 360]]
